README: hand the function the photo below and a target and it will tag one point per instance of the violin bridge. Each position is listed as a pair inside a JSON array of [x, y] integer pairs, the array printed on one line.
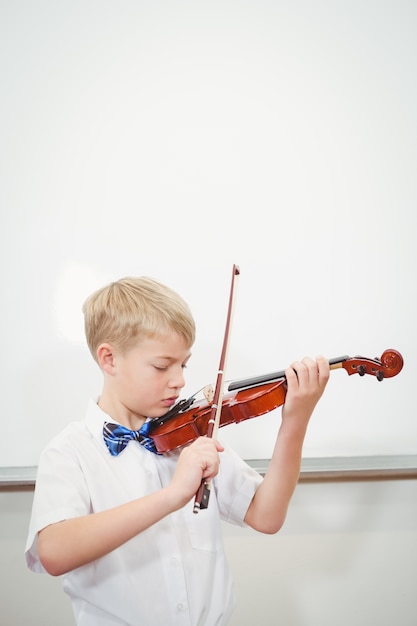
[[208, 393]]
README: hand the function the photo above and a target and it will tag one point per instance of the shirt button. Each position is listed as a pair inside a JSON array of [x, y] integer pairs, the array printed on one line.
[[148, 472], [174, 560], [180, 607]]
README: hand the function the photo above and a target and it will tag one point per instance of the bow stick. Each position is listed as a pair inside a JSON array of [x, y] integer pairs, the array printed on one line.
[[203, 493]]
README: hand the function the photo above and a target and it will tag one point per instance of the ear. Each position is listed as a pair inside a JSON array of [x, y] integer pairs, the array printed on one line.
[[106, 358]]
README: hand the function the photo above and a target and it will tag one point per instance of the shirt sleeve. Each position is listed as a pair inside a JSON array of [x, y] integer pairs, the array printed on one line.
[[60, 493], [236, 485]]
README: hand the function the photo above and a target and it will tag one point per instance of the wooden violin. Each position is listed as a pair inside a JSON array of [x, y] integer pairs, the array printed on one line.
[[251, 397]]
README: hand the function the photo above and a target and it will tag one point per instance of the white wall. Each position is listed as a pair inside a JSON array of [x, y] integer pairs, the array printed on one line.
[[175, 138], [346, 555]]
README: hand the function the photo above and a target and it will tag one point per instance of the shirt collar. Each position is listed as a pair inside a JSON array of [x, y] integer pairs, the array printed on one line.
[[95, 418]]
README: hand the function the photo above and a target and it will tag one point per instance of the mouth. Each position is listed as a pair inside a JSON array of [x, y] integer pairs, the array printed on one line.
[[169, 401]]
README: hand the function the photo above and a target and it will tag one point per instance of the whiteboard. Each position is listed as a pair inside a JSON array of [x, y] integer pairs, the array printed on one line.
[[173, 139]]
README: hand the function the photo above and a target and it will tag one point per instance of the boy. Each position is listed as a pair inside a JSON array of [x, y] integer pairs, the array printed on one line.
[[117, 519]]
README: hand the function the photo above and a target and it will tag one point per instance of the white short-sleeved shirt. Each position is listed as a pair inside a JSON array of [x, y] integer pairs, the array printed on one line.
[[175, 572]]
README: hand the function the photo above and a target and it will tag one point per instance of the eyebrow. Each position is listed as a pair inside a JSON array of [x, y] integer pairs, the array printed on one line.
[[171, 358]]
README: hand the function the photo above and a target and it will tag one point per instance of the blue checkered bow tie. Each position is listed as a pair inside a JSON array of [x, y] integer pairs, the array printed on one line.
[[117, 437]]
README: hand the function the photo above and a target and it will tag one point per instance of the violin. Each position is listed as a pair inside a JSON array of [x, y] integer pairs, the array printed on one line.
[[252, 397]]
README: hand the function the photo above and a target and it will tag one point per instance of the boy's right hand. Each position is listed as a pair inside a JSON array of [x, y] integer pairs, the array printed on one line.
[[200, 460]]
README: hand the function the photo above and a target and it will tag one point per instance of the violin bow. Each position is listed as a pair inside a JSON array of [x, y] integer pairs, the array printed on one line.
[[203, 493]]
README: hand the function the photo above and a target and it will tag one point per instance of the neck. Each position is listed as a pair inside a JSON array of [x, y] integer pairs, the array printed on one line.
[[120, 413]]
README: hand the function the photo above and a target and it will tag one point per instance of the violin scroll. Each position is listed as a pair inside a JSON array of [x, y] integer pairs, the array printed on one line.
[[390, 364]]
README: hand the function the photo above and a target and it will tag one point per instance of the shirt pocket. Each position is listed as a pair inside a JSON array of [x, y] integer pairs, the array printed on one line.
[[204, 528]]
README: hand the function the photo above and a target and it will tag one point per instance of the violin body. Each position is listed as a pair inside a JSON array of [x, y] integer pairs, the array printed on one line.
[[237, 406], [253, 397]]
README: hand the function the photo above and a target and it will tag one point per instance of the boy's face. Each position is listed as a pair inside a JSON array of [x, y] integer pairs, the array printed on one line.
[[146, 381]]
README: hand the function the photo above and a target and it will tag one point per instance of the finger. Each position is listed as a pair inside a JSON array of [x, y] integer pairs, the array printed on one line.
[[291, 376], [310, 372], [302, 370], [311, 369], [323, 369], [219, 446], [211, 466]]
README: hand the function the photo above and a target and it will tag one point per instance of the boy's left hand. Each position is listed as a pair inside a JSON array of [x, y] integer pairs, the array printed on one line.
[[306, 382]]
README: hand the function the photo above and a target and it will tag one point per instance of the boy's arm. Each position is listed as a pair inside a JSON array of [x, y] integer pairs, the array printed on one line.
[[74, 542], [306, 382]]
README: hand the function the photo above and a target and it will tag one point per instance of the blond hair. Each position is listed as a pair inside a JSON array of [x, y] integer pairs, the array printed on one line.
[[131, 309]]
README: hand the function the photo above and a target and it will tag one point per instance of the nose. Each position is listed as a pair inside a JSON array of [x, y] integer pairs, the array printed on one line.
[[177, 380]]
